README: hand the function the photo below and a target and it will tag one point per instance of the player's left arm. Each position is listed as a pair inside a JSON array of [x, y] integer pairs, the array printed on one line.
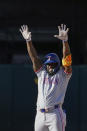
[[67, 59]]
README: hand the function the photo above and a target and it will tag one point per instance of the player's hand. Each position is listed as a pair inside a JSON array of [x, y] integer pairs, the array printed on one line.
[[63, 33], [25, 33]]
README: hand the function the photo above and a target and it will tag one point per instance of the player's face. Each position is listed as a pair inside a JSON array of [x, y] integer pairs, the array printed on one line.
[[51, 67]]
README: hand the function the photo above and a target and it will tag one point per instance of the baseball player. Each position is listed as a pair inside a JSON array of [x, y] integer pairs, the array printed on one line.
[[52, 82]]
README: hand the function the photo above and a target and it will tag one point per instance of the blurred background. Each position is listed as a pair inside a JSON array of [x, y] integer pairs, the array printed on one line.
[[18, 88]]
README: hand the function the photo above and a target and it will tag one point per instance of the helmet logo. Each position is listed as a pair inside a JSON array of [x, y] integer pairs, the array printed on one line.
[[49, 57]]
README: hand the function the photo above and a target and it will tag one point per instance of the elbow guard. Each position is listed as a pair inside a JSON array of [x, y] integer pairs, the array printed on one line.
[[67, 61]]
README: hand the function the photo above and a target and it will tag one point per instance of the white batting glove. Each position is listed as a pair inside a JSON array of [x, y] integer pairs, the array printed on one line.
[[63, 33], [25, 33]]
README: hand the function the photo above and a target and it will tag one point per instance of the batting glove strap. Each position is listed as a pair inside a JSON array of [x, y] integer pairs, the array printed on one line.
[[29, 39]]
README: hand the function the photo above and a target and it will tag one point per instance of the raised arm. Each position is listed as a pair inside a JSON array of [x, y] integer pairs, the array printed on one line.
[[31, 50], [66, 60]]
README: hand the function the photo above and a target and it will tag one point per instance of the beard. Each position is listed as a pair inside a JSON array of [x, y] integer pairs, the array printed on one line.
[[50, 71]]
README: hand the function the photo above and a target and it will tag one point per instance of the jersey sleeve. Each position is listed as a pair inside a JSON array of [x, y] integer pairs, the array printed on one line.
[[38, 72], [66, 74]]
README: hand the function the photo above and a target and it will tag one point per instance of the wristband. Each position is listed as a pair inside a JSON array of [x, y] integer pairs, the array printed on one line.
[[67, 61], [28, 40]]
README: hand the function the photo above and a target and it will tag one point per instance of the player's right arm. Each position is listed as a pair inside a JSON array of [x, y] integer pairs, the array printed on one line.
[[37, 64]]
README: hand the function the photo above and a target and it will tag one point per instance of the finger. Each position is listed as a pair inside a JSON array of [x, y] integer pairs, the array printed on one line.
[[23, 27], [20, 30], [27, 28], [59, 28], [67, 30], [64, 27], [29, 33], [56, 36]]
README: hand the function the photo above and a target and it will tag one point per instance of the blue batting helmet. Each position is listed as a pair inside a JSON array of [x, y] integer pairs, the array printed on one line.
[[52, 58]]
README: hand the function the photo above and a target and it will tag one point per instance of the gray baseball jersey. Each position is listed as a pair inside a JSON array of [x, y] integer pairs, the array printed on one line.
[[51, 89]]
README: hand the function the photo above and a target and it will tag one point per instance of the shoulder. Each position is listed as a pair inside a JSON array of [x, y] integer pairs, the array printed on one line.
[[40, 71], [65, 73]]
